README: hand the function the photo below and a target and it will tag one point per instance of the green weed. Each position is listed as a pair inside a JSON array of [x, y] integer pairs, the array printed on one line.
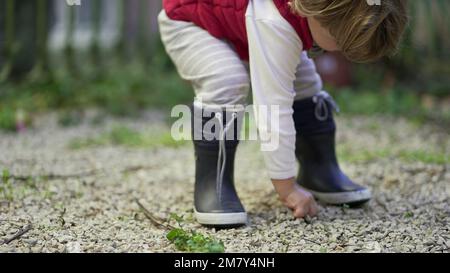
[[192, 241]]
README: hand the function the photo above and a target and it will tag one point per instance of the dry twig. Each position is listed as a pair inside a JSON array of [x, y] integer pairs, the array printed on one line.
[[19, 234], [53, 176], [154, 219]]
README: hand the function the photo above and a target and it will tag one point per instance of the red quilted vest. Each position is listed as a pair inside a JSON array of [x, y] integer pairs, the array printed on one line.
[[225, 19]]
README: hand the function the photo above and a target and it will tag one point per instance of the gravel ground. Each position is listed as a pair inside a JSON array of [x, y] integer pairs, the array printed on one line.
[[85, 198]]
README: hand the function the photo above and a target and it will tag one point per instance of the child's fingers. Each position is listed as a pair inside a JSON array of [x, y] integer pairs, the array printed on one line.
[[313, 209], [301, 211]]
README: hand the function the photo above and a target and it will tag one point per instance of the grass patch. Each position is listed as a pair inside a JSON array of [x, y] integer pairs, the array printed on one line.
[[122, 90], [124, 136], [128, 89], [192, 241], [6, 188], [408, 214], [21, 187], [426, 157], [361, 156], [393, 102]]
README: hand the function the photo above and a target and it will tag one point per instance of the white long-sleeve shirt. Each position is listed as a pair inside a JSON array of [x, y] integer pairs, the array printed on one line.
[[275, 51]]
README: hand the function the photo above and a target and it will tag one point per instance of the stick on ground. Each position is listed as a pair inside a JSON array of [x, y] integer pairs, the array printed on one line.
[[19, 234], [155, 220]]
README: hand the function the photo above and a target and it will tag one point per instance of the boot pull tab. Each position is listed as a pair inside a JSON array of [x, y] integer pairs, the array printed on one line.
[[322, 111]]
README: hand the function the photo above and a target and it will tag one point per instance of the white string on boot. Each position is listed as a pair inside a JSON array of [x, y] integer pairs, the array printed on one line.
[[320, 99], [221, 160]]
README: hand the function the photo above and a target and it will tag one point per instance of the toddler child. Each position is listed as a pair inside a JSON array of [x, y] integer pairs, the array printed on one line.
[[224, 47]]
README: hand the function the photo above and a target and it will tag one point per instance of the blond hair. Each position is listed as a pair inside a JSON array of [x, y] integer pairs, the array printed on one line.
[[363, 32]]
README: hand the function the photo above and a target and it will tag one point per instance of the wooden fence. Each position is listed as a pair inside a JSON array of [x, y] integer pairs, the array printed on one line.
[[29, 33], [34, 31]]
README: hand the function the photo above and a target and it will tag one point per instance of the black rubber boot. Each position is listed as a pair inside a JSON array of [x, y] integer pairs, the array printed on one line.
[[216, 201], [320, 173]]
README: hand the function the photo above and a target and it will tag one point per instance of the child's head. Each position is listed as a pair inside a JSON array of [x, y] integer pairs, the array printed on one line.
[[361, 30]]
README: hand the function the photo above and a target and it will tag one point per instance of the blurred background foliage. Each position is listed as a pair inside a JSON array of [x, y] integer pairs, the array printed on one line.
[[44, 67]]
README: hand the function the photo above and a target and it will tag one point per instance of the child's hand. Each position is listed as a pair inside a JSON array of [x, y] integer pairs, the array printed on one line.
[[301, 202]]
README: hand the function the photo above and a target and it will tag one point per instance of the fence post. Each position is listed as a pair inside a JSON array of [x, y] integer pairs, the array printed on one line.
[[69, 52], [143, 32], [41, 68], [155, 9], [10, 44], [443, 26], [96, 32], [120, 47]]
